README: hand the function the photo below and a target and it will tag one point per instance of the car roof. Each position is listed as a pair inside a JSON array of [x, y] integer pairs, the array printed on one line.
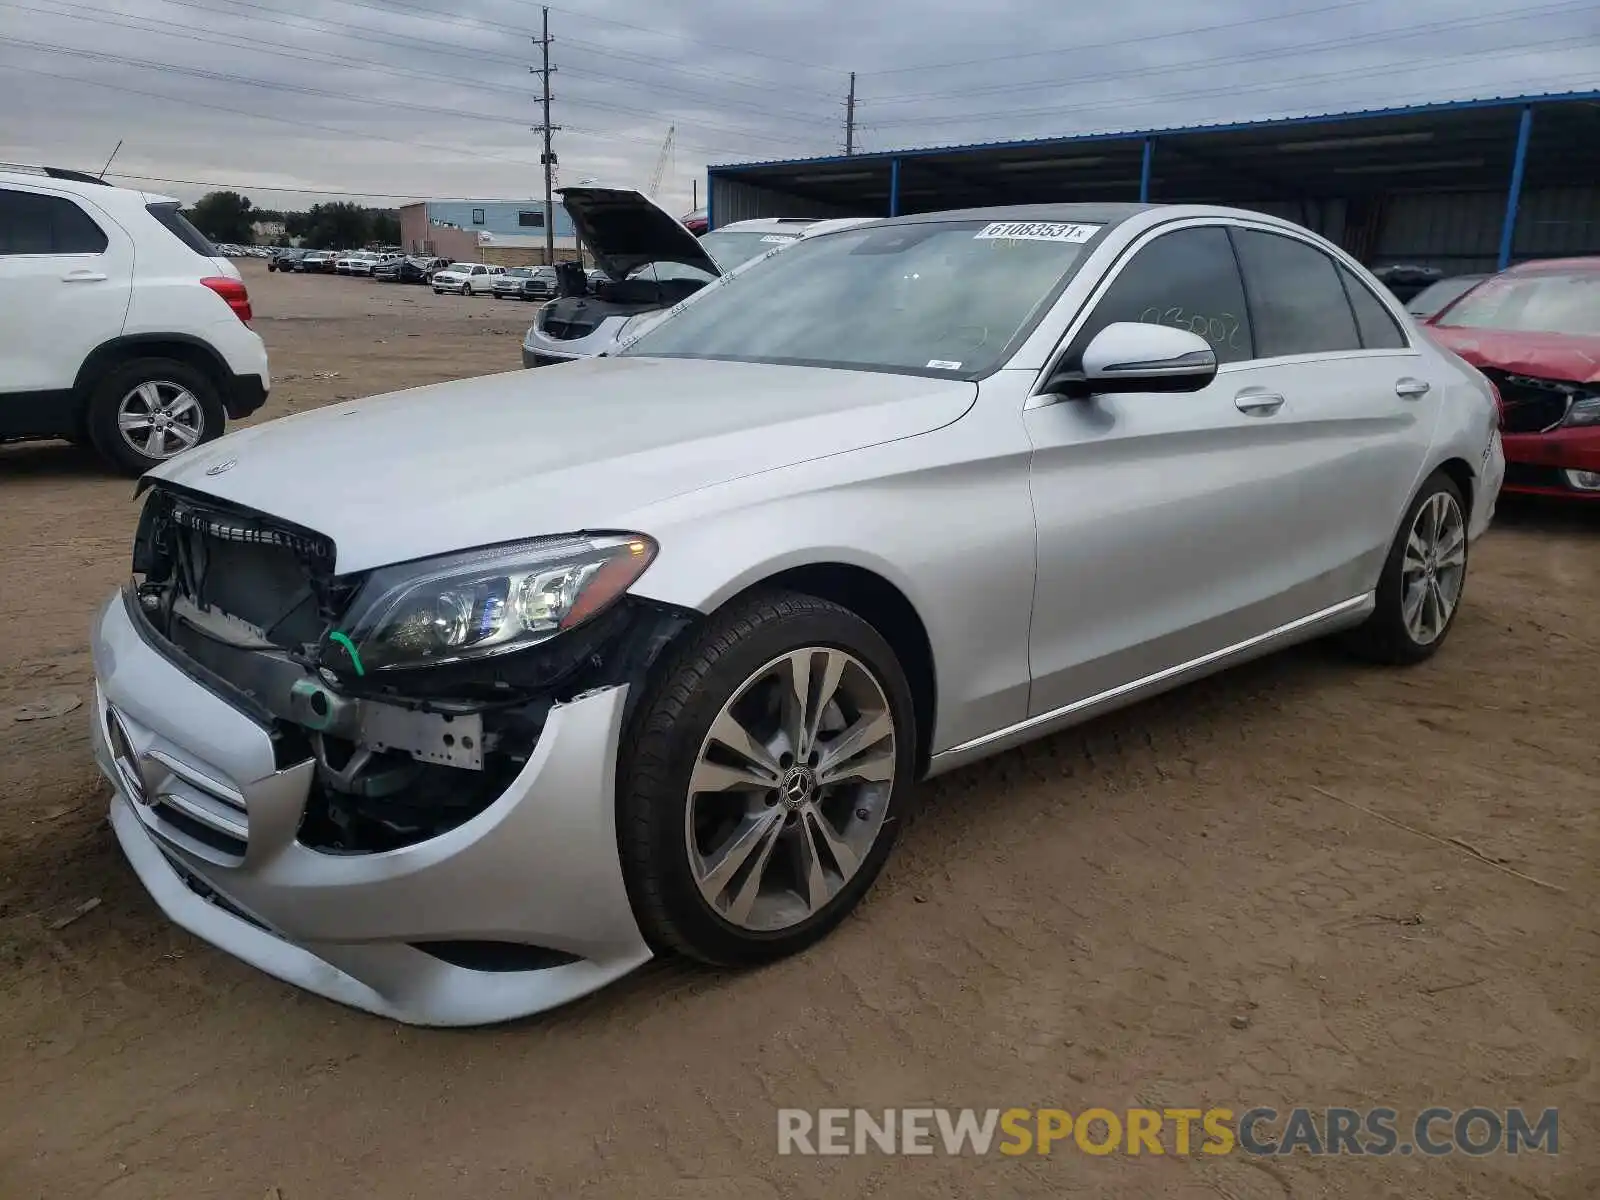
[[1088, 214], [767, 224], [1555, 264]]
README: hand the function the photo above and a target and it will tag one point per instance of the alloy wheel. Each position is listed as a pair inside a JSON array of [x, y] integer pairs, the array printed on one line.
[[1434, 568], [159, 419], [790, 789]]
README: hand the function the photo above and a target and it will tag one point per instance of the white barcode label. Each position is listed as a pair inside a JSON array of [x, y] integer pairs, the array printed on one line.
[[1037, 231], [943, 364]]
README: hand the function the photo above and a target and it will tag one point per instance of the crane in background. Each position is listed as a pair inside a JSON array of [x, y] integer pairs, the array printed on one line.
[[661, 161]]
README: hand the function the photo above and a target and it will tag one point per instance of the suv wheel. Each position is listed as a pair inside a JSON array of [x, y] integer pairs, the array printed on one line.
[[144, 412]]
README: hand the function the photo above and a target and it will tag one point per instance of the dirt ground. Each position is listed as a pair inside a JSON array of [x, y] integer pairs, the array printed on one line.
[[1198, 902]]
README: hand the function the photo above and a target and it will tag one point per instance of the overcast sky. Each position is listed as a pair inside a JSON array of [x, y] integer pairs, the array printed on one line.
[[395, 99]]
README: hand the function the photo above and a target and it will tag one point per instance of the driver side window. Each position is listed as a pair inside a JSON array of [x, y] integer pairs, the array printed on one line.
[[1188, 279]]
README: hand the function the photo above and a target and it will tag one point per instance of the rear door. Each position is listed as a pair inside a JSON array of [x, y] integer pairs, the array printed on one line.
[[1357, 410], [66, 271]]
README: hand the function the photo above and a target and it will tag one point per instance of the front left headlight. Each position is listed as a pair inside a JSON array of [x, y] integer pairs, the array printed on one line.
[[481, 603], [1583, 412]]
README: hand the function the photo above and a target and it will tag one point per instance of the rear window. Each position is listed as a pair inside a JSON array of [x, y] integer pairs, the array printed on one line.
[[171, 218]]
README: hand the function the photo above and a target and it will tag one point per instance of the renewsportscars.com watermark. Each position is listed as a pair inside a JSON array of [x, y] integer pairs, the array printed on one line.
[[1378, 1132]]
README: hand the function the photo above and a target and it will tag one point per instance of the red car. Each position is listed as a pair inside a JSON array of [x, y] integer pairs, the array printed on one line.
[[1535, 332]]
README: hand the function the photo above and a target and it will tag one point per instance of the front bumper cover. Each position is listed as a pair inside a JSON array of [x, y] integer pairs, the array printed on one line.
[[538, 867]]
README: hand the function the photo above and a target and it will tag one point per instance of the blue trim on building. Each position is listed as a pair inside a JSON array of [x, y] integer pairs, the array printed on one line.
[[894, 187], [1144, 169], [1514, 195], [1133, 134], [711, 200]]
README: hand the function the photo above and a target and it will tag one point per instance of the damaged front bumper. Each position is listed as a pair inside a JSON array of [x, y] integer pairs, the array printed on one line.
[[518, 909]]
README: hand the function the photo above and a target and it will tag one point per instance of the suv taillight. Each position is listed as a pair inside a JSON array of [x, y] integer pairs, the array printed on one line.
[[233, 293]]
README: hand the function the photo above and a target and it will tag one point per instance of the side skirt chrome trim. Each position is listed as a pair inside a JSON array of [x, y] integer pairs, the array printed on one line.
[[1343, 614]]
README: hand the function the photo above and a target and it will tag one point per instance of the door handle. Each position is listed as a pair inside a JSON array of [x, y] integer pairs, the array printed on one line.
[[1258, 403], [83, 277], [1411, 389]]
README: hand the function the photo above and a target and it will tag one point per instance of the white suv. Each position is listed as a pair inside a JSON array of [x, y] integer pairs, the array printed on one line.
[[467, 278], [120, 325]]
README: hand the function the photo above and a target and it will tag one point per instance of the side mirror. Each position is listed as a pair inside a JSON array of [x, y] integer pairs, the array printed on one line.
[[1129, 356]]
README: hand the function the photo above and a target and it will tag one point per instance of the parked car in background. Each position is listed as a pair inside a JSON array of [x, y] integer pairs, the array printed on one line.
[[467, 279], [543, 284], [121, 326], [317, 262], [649, 652], [1431, 300], [409, 269], [697, 222], [353, 262], [1535, 332], [648, 262], [284, 259], [1405, 280], [508, 284]]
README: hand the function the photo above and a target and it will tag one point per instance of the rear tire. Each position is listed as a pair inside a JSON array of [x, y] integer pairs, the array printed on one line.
[[184, 399], [1423, 581], [748, 870]]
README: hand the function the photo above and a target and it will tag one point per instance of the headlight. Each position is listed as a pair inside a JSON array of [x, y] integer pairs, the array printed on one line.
[[485, 602], [1584, 412]]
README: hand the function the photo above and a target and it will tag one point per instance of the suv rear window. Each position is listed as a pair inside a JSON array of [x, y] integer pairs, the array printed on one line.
[[175, 223]]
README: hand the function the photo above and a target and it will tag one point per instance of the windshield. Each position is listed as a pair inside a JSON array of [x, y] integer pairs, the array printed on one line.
[[670, 270], [937, 298], [1435, 296], [519, 272], [1566, 303], [731, 250]]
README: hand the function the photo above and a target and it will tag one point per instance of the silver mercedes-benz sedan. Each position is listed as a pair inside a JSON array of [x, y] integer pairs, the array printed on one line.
[[459, 703]]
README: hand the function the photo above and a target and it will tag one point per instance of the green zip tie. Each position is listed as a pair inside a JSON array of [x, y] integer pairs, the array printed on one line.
[[344, 640]]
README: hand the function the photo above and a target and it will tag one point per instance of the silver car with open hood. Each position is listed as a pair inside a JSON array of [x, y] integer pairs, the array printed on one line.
[[648, 261]]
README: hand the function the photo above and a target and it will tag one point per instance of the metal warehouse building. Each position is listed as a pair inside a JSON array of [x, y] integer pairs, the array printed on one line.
[[1463, 186]]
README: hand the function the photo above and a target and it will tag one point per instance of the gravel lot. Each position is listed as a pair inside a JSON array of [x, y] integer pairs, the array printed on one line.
[[1206, 900]]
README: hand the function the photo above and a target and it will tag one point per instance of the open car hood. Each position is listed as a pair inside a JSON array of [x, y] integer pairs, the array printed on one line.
[[624, 229]]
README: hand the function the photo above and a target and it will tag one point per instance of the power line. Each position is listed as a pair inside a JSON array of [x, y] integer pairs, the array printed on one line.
[[1129, 41], [1230, 89], [310, 191], [284, 50], [418, 12], [304, 90], [456, 151], [1267, 54], [588, 16]]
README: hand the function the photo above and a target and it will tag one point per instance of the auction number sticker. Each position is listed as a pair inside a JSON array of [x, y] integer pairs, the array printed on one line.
[[1037, 231], [779, 239]]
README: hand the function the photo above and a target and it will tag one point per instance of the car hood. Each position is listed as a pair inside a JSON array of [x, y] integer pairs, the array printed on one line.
[[1543, 355], [583, 446], [624, 230]]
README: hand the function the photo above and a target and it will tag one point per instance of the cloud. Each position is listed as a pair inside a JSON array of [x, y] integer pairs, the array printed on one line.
[[296, 100]]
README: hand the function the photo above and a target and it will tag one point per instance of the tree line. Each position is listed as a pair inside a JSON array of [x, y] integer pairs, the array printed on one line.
[[230, 217]]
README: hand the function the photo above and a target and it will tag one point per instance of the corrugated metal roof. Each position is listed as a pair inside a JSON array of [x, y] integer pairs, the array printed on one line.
[[1172, 130]]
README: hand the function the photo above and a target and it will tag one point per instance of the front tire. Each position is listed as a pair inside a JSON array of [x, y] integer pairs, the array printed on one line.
[[148, 410], [1419, 592], [466, 289], [763, 780]]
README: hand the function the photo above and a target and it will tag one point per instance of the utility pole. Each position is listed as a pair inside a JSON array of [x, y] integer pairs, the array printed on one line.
[[850, 117], [548, 158]]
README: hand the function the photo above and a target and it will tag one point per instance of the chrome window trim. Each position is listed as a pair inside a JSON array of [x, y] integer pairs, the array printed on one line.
[[1177, 224]]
